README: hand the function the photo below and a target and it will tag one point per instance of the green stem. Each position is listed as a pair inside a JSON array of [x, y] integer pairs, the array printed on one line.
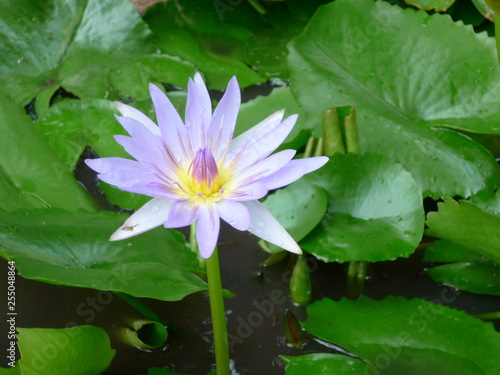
[[332, 133], [351, 132], [257, 6], [319, 149], [218, 315], [356, 275], [141, 307], [309, 148], [488, 316]]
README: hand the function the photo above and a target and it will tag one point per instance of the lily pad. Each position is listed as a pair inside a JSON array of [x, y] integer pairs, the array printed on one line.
[[31, 174], [467, 224], [213, 51], [78, 350], [404, 100], [374, 211], [70, 44], [226, 38], [399, 336], [72, 248], [483, 9], [325, 364], [436, 5], [465, 269], [131, 78]]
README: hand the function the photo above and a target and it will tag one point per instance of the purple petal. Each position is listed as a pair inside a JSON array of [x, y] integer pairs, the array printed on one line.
[[139, 132], [224, 118], [270, 122], [265, 167], [140, 150], [263, 141], [129, 175], [172, 128], [131, 112], [234, 213], [151, 215], [265, 226], [125, 179], [104, 165], [207, 230], [137, 182], [147, 147], [252, 191], [198, 112], [181, 214], [293, 170]]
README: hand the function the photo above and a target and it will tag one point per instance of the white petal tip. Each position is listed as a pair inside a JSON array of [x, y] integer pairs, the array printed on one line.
[[293, 248], [292, 118], [154, 89], [123, 233], [206, 255], [320, 161], [197, 77]]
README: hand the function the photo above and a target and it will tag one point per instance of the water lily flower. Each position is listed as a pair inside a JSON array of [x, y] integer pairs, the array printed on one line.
[[197, 172]]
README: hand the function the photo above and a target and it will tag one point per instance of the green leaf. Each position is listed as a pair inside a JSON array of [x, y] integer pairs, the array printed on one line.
[[445, 252], [71, 125], [324, 364], [70, 44], [483, 9], [30, 174], [78, 350], [466, 269], [374, 210], [436, 5], [299, 208], [10, 371], [72, 248], [213, 48], [474, 278], [258, 109], [467, 224], [403, 104], [487, 201], [399, 336], [231, 38], [131, 78]]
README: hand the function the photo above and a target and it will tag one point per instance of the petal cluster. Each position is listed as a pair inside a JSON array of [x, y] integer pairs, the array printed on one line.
[[196, 172]]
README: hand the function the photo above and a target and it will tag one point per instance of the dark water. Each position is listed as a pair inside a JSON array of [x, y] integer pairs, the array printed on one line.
[[255, 314]]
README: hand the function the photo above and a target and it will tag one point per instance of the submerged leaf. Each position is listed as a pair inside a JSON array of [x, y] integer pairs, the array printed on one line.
[[77, 350], [465, 269]]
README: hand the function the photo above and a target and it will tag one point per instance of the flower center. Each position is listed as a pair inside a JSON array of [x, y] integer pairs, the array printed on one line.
[[204, 175]]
